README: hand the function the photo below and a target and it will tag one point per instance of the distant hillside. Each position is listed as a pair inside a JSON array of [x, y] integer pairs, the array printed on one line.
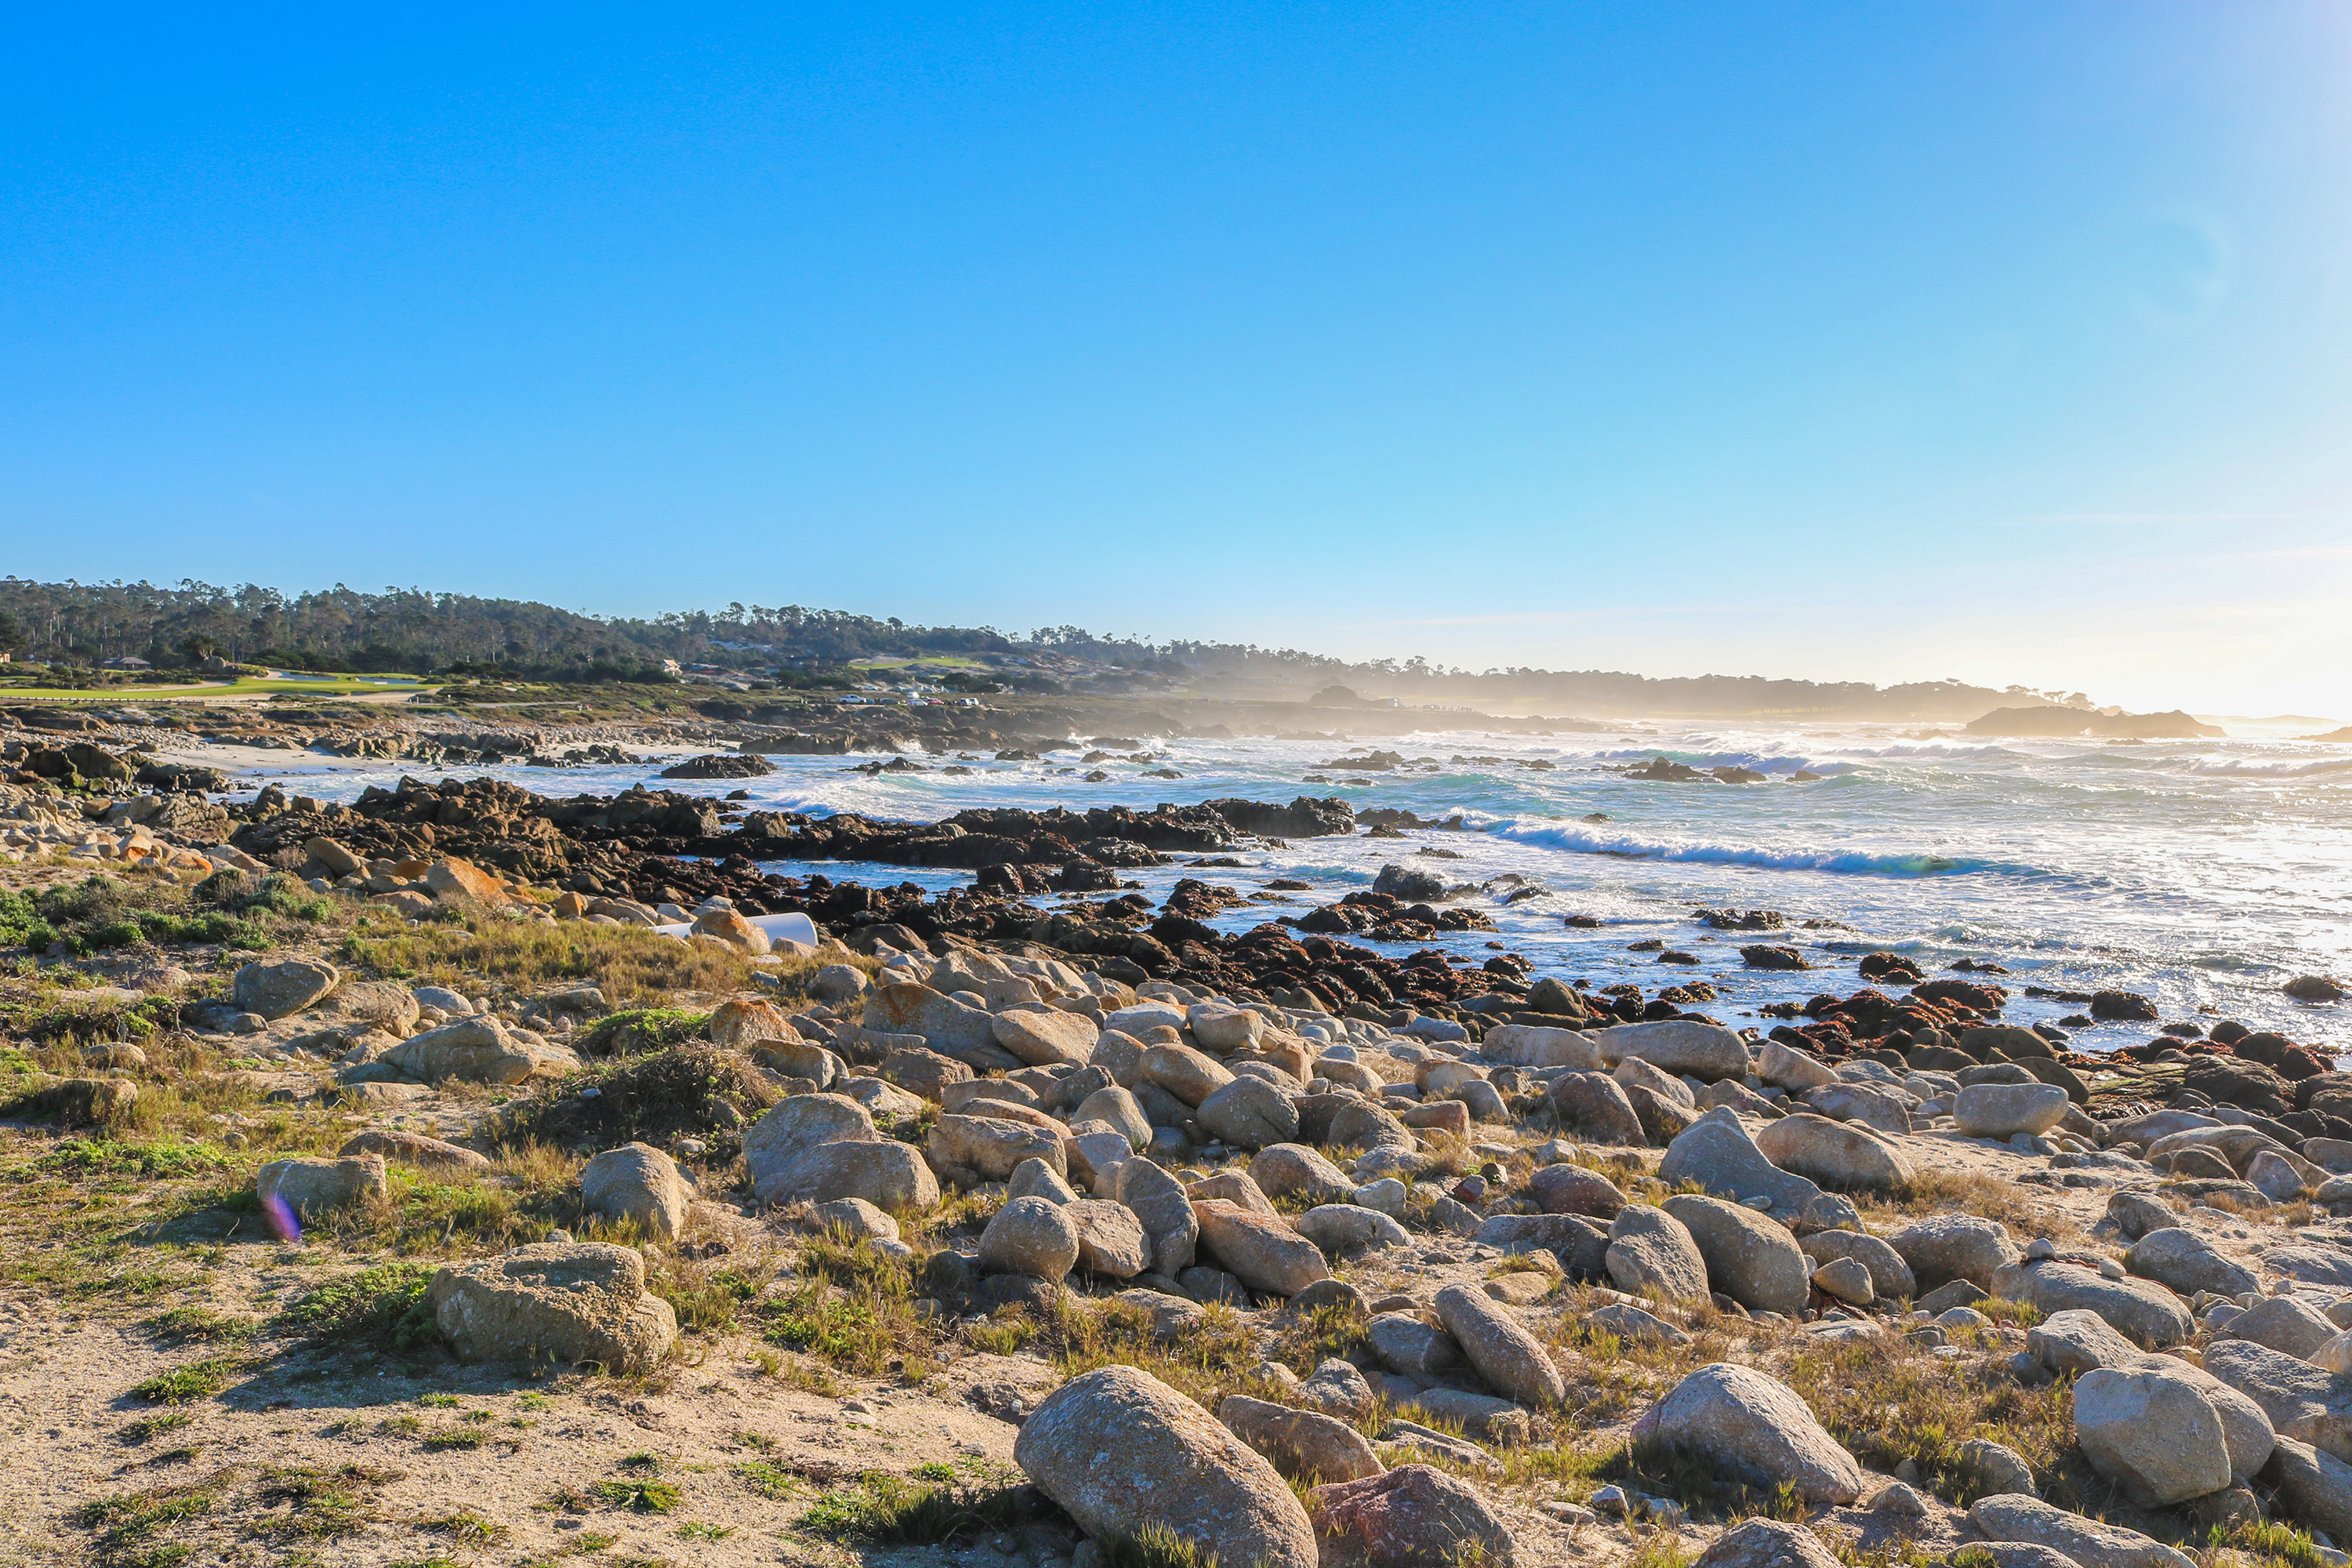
[[423, 632]]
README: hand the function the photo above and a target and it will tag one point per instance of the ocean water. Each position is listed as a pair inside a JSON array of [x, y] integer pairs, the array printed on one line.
[[2203, 873]]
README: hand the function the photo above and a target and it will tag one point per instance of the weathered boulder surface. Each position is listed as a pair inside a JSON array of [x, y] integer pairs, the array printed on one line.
[[2151, 1433], [2009, 1516], [2302, 1400], [1300, 1442], [1119, 1450], [567, 1302], [1412, 1516], [1260, 1251], [1749, 1258], [1891, 1279], [281, 987], [1510, 1359], [1767, 1543], [2141, 1309], [638, 1182], [1650, 1254], [2178, 1257], [1954, 1247], [315, 1188], [1030, 1237], [1836, 1154], [1719, 1154], [1754, 1429]]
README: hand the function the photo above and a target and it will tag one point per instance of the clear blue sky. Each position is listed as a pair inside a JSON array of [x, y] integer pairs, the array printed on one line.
[[2000, 340]]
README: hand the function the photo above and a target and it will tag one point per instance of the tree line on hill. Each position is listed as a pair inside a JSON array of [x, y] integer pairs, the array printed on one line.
[[417, 631]]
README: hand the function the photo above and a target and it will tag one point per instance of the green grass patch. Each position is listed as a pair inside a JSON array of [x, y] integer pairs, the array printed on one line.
[[770, 1480], [382, 1306], [888, 1511], [193, 1325], [149, 1428], [163, 1156], [638, 1494], [1153, 1546], [124, 1527], [186, 1384], [641, 1029]]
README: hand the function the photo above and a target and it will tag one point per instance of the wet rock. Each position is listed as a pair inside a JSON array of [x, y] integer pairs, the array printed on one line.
[[1120, 1451], [566, 1302]]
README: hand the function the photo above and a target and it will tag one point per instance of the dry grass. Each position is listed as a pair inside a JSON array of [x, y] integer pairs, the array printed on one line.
[[1891, 1401], [632, 965], [1941, 1192]]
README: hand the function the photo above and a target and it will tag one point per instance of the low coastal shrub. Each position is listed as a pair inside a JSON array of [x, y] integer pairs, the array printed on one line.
[[382, 1306]]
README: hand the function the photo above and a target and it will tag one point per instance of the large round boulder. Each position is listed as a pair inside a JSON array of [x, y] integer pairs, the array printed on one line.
[[1121, 1452]]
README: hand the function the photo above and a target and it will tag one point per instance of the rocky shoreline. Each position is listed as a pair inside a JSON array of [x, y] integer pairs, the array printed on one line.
[[1493, 1266]]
